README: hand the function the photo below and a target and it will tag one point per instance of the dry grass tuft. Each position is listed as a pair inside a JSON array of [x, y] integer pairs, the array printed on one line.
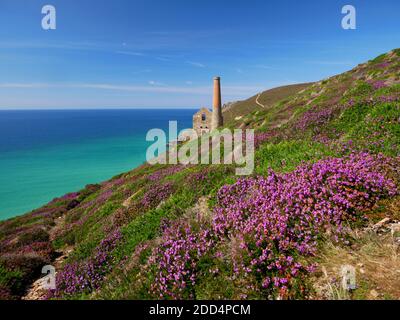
[[376, 260]]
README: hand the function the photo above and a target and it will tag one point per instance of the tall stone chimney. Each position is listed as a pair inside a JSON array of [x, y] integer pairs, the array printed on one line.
[[217, 120]]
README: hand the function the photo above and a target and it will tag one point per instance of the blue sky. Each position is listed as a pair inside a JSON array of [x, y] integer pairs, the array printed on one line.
[[157, 53]]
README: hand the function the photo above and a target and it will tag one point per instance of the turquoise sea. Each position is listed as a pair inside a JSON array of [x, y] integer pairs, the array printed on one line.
[[47, 153]]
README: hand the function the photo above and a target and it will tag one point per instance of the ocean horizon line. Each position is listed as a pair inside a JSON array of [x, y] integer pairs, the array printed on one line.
[[97, 109]]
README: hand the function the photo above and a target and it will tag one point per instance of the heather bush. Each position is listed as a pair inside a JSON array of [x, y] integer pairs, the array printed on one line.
[[10, 282], [316, 118], [6, 293], [162, 173], [361, 89], [89, 190], [175, 260], [208, 179], [25, 248], [148, 225], [120, 218], [276, 221], [155, 195], [280, 217], [262, 137], [33, 235], [44, 249], [82, 222], [18, 270], [84, 277], [371, 127]]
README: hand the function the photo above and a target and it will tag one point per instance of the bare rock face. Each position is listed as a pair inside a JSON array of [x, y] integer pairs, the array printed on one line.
[[37, 290], [381, 224]]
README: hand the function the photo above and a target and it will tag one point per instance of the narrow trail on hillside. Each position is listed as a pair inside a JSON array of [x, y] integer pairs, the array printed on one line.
[[36, 290], [258, 102]]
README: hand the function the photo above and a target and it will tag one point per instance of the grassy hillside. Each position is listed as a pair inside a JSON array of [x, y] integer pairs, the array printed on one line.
[[234, 113], [327, 169]]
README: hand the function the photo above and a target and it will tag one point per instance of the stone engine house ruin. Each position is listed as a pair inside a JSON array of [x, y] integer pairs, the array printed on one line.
[[204, 121]]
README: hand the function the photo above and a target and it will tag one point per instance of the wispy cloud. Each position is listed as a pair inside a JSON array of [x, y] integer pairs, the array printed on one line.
[[199, 90], [163, 59], [131, 53], [67, 45], [156, 83], [25, 85], [262, 66], [153, 87], [196, 64]]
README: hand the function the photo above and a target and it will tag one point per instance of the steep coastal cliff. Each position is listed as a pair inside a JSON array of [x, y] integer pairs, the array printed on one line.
[[327, 171]]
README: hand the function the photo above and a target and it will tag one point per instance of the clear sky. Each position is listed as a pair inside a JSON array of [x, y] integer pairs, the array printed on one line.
[[164, 53]]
